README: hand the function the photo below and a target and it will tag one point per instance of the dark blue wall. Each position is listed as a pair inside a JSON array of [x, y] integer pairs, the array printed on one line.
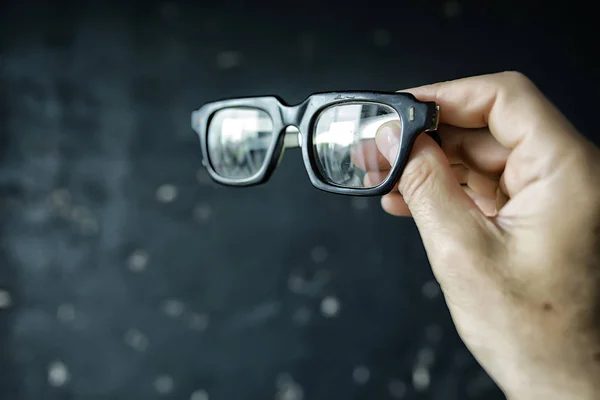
[[126, 274]]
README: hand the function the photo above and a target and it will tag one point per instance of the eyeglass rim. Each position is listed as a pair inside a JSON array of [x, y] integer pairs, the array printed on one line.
[[416, 117]]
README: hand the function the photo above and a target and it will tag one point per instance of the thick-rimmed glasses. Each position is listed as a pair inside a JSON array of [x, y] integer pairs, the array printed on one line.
[[353, 143]]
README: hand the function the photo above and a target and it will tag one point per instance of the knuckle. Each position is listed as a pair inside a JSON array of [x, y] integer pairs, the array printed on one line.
[[478, 248], [516, 76], [580, 171], [472, 259], [516, 79], [417, 178]]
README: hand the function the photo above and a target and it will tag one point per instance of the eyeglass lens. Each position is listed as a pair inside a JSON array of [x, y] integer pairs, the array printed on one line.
[[238, 141], [347, 143], [348, 140]]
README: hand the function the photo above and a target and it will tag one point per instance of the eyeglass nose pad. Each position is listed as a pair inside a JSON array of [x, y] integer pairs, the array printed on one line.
[[280, 156], [290, 138]]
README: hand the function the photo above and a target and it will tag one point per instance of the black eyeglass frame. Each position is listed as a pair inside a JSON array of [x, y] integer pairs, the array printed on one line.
[[416, 117]]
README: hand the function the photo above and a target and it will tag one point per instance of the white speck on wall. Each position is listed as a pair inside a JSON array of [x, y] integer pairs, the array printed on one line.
[[136, 340], [420, 378], [163, 384], [287, 388], [61, 198], [65, 312], [361, 375], [199, 322], [290, 393], [78, 213], [173, 308], [296, 283], [330, 306], [5, 299], [202, 212], [84, 218], [397, 389], [229, 59], [199, 395], [283, 379], [58, 374], [426, 357], [319, 254], [166, 193], [138, 260], [89, 226], [431, 289], [382, 37]]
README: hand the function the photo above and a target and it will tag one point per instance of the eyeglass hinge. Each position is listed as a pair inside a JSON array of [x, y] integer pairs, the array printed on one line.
[[434, 120]]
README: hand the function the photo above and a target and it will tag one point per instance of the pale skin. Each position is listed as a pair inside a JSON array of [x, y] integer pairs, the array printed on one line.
[[509, 214]]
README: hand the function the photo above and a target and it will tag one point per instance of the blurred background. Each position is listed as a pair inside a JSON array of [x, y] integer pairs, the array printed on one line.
[[126, 274]]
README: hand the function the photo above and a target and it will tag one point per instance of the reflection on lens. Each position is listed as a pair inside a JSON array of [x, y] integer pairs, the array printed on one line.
[[238, 141], [344, 142]]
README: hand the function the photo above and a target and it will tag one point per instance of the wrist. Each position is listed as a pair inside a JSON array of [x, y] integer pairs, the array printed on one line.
[[583, 388]]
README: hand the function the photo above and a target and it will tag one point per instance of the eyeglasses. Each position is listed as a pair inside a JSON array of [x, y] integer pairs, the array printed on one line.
[[346, 138]]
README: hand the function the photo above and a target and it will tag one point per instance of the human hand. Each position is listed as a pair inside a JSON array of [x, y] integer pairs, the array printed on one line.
[[509, 214]]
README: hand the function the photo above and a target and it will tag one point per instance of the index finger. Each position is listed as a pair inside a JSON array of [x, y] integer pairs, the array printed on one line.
[[509, 103]]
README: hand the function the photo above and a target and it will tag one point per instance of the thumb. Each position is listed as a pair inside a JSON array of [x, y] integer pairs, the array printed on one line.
[[445, 215]]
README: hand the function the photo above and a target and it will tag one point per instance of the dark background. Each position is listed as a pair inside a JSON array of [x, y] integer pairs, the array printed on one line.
[[126, 274]]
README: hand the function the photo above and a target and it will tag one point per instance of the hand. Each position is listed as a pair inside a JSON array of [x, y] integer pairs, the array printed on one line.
[[509, 214]]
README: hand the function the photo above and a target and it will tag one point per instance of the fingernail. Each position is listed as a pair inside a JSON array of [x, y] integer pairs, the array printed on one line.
[[388, 142]]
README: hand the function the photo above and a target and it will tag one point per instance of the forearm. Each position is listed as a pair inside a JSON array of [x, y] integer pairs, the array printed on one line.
[[557, 382], [576, 390]]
